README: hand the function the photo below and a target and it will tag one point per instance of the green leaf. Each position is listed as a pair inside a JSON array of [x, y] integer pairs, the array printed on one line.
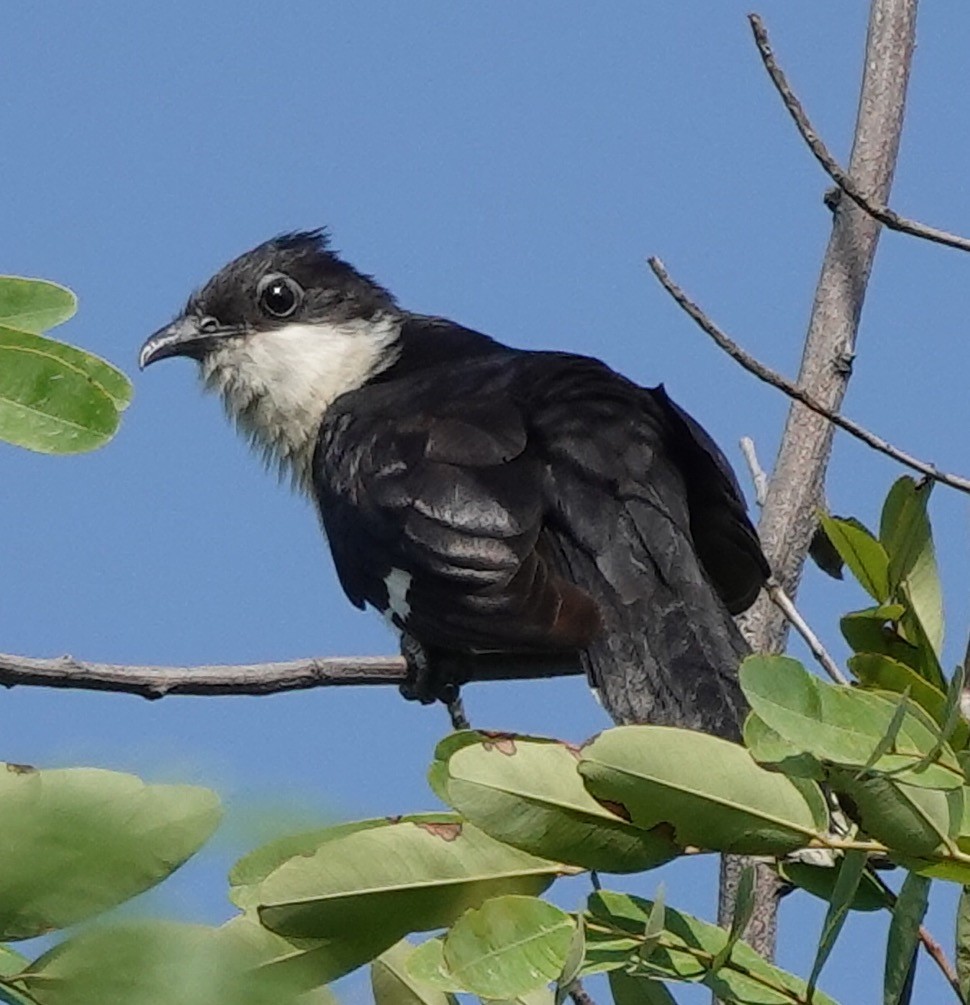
[[528, 793], [707, 791], [769, 748], [688, 947], [820, 880], [152, 963], [907, 819], [509, 946], [886, 674], [80, 840], [852, 867], [861, 552], [904, 528], [48, 403], [963, 942], [427, 966], [877, 630], [11, 962], [572, 965], [246, 875], [393, 984], [629, 990], [34, 305], [414, 875], [903, 940], [843, 725], [654, 927]]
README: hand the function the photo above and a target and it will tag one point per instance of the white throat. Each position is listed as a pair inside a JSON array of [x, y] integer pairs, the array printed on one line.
[[277, 385]]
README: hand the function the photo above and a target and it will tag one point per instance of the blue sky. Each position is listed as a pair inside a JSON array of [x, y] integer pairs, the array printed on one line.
[[510, 166]]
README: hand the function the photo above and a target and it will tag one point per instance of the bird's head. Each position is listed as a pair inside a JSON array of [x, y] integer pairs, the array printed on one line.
[[281, 332]]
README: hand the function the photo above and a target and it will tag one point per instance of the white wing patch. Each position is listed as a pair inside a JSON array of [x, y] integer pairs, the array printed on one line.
[[398, 582]]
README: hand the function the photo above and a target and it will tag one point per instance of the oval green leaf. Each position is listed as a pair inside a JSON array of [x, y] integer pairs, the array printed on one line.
[[34, 305], [509, 946], [411, 876], [708, 792], [48, 402], [80, 840], [847, 726], [528, 793]]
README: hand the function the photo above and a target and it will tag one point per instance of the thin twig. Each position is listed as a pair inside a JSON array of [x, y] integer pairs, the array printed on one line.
[[769, 376], [830, 165], [785, 604], [758, 477], [259, 678]]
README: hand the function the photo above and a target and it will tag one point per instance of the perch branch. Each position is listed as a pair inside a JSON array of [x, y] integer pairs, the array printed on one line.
[[256, 678], [775, 379], [830, 165]]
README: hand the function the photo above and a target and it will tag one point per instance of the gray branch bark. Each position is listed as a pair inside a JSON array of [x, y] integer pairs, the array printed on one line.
[[795, 491]]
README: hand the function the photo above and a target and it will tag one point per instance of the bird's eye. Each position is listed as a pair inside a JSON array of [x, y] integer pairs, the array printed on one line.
[[278, 295]]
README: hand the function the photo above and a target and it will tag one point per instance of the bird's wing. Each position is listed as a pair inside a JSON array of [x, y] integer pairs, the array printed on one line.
[[432, 502]]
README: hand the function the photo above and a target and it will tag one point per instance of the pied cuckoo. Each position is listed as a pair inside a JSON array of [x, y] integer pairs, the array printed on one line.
[[486, 499]]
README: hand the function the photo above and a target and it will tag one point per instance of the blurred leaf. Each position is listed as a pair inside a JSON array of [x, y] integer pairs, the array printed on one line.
[[528, 793], [903, 940], [393, 984], [819, 880], [34, 305], [11, 962], [629, 990], [508, 946], [850, 872], [907, 819], [878, 671], [707, 791], [151, 963], [80, 840], [413, 875], [47, 403], [688, 946], [843, 725], [861, 552], [303, 964], [654, 927]]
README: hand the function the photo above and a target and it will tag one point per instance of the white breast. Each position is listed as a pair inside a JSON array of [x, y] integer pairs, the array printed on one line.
[[277, 385]]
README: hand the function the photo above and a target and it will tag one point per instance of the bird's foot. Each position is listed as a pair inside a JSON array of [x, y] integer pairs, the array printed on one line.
[[427, 681]]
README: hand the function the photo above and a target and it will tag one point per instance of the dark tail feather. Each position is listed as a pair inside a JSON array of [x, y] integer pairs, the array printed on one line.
[[669, 650]]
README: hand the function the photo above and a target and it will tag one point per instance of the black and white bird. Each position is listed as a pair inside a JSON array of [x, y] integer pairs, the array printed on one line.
[[486, 499]]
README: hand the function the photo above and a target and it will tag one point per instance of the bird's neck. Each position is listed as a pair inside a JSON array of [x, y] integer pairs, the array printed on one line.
[[277, 385]]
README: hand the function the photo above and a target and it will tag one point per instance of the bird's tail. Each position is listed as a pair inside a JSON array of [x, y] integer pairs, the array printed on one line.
[[669, 651]]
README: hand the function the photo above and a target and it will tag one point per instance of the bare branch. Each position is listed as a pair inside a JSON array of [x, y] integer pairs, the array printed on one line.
[[830, 165], [785, 604], [258, 678], [769, 376], [758, 476]]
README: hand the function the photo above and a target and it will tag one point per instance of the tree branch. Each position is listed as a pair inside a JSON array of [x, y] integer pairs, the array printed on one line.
[[795, 491], [775, 379], [830, 165], [260, 678]]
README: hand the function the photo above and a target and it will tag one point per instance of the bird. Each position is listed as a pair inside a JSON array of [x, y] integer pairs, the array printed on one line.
[[489, 501]]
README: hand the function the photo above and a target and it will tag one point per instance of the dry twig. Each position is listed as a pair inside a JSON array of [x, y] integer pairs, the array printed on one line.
[[830, 165], [769, 376]]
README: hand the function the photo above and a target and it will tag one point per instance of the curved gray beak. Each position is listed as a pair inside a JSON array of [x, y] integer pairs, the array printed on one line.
[[188, 335]]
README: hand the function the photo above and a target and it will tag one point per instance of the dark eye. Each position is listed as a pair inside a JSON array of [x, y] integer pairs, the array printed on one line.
[[278, 295]]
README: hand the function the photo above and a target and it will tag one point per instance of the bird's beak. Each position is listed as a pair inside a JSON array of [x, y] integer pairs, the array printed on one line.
[[188, 335]]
